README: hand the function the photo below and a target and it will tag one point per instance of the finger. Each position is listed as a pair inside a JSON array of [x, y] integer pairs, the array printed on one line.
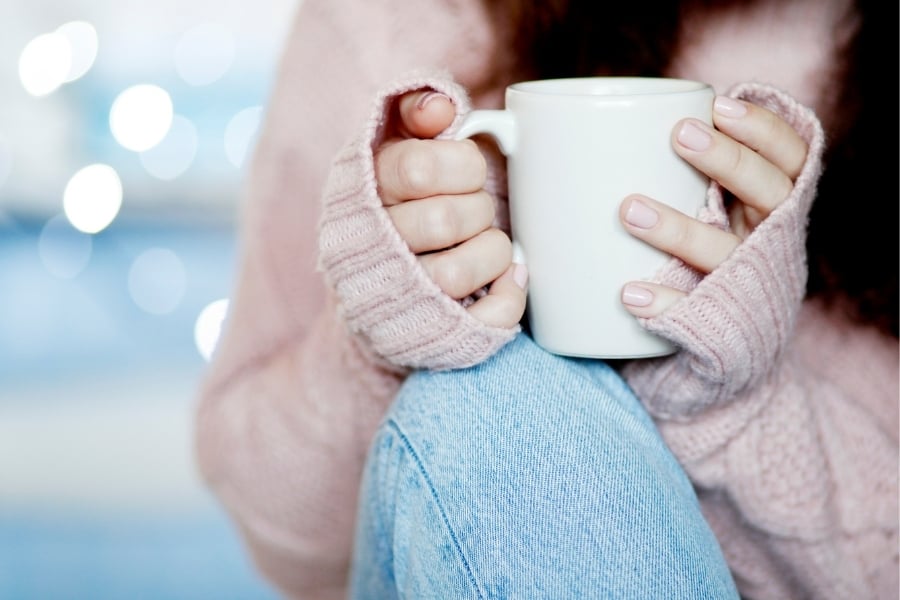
[[439, 222], [425, 113], [755, 181], [763, 131], [700, 245], [504, 304], [471, 265], [646, 300], [414, 169]]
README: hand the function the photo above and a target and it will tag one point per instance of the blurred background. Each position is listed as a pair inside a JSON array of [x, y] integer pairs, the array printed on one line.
[[124, 132]]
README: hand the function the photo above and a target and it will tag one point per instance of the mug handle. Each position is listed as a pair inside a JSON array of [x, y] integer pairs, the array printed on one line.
[[500, 125]]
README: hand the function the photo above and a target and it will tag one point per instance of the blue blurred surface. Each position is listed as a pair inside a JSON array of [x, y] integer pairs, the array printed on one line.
[[54, 328], [117, 559], [99, 498]]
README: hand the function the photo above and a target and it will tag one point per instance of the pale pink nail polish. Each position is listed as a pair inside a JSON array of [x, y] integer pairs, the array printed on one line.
[[692, 137], [635, 295], [424, 100], [520, 276], [641, 215], [729, 107]]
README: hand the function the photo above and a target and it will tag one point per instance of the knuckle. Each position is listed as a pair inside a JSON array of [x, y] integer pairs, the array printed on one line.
[[451, 275], [680, 234], [500, 244], [439, 224], [485, 209], [417, 167], [737, 159]]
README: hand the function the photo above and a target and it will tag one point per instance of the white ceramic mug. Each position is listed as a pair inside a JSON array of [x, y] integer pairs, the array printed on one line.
[[576, 148]]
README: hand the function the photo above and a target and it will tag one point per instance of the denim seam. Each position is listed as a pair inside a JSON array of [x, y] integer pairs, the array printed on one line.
[[409, 447]]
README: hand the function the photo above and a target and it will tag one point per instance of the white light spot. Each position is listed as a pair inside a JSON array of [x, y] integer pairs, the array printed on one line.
[[44, 63], [240, 134], [175, 153], [93, 197], [157, 281], [208, 327], [65, 251], [204, 53], [82, 38], [140, 117]]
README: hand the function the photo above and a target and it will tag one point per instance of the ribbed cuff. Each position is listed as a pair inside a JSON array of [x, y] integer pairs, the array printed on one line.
[[385, 296]]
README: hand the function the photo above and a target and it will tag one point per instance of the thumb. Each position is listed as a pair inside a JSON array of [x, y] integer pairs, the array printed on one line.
[[425, 113]]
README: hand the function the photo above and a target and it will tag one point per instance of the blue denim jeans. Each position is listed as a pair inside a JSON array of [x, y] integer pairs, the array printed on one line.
[[529, 476]]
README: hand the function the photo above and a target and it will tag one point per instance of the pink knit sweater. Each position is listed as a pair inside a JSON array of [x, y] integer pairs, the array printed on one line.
[[783, 414]]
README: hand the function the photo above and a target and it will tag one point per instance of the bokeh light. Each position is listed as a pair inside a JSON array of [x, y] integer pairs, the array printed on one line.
[[93, 198], [64, 250], [140, 117], [157, 281], [45, 63], [240, 134], [117, 210], [82, 39], [208, 327], [175, 153], [204, 53]]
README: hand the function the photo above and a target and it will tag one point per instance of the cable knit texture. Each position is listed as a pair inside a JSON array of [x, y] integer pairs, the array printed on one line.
[[764, 429], [783, 415]]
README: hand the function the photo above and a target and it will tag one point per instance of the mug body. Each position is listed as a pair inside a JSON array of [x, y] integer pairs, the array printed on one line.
[[581, 146]]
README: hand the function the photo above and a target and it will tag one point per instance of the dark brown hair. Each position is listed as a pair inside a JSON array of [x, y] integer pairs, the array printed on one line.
[[853, 226]]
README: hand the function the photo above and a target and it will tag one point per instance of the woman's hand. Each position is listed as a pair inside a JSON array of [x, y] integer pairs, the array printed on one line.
[[433, 192], [753, 154]]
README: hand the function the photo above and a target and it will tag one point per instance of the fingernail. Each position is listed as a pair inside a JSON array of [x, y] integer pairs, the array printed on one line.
[[692, 137], [641, 215], [520, 275], [729, 107], [424, 100], [635, 295]]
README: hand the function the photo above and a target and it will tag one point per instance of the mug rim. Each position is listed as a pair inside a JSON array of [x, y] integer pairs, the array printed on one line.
[[608, 86]]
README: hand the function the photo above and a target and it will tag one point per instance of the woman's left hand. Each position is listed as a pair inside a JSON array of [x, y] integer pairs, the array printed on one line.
[[752, 153]]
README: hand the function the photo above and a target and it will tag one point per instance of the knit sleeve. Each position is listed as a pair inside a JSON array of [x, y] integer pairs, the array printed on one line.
[[735, 323], [783, 413], [385, 297], [289, 402]]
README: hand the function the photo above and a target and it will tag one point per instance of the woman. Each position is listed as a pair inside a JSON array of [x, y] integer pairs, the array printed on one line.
[[788, 434]]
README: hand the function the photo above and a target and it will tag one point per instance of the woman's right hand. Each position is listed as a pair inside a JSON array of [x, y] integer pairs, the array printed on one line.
[[433, 191]]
